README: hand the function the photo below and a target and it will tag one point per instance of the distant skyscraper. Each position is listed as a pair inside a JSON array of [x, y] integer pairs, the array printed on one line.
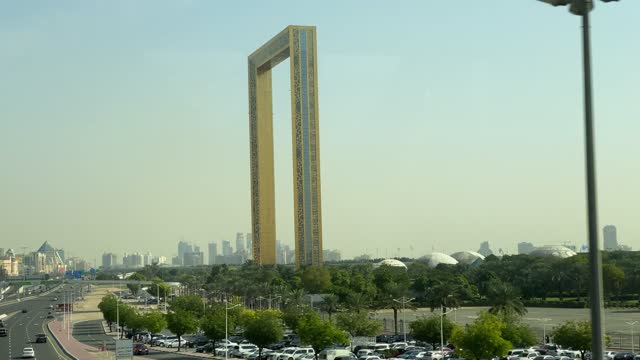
[[226, 248], [484, 249], [249, 245], [183, 248], [525, 248], [196, 249], [239, 243], [329, 255], [610, 238], [192, 259], [108, 260], [147, 259], [213, 252]]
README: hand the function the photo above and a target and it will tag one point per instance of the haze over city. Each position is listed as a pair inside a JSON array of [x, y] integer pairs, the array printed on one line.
[[124, 126]]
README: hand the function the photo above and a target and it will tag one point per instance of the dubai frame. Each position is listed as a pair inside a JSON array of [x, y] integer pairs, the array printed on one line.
[[299, 44]]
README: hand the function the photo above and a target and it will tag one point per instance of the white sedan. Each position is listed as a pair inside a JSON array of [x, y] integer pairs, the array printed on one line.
[[28, 352]]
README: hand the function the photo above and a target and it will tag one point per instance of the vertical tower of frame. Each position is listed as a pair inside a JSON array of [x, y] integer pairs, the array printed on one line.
[[299, 44]]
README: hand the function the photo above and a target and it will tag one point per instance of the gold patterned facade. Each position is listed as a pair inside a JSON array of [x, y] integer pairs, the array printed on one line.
[[298, 43]]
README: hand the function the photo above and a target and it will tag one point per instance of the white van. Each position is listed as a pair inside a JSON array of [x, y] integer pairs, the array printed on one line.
[[334, 353], [381, 347]]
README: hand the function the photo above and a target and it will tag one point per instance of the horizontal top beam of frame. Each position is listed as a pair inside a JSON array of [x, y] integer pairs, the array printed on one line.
[[274, 51]]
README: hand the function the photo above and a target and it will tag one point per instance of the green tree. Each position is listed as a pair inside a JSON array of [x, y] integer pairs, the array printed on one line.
[[329, 305], [154, 321], [108, 308], [575, 335], [358, 324], [130, 318], [612, 279], [481, 339], [181, 322], [189, 303], [134, 288], [213, 322], [504, 300], [427, 329], [518, 334], [159, 288], [262, 328], [292, 314], [318, 333], [392, 283], [316, 280]]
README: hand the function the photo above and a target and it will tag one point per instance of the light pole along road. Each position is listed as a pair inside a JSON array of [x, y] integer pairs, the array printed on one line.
[[226, 327], [582, 8], [404, 301]]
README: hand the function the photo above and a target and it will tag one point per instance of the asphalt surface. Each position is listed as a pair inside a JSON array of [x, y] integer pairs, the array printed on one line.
[[23, 327]]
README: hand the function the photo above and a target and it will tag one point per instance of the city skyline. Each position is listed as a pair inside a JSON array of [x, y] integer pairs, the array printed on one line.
[[441, 129]]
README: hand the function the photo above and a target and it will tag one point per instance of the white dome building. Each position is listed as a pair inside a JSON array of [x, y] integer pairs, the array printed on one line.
[[553, 250], [391, 262], [467, 257], [436, 258]]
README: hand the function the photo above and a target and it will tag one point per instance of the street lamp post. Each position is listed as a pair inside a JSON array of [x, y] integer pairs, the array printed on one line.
[[442, 314], [631, 323], [226, 328], [582, 8], [544, 329], [403, 300], [204, 301]]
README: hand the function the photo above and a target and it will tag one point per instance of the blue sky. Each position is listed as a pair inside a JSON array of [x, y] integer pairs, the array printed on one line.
[[124, 126]]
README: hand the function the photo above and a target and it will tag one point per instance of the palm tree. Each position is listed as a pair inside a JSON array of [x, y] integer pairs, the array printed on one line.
[[329, 305], [504, 300], [443, 295]]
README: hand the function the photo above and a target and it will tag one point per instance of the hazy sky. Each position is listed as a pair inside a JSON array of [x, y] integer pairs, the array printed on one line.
[[124, 124]]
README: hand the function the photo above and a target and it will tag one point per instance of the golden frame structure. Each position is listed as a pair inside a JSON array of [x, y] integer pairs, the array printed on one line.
[[298, 43]]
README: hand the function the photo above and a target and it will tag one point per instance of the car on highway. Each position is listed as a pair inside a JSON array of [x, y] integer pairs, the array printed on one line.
[[3, 332], [28, 352], [24, 310], [41, 338], [140, 349]]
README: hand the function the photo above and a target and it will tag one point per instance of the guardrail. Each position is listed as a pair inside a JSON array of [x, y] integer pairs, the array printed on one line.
[[10, 302]]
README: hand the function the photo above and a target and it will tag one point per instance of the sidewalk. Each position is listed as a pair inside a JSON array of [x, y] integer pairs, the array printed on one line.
[[69, 344], [84, 310]]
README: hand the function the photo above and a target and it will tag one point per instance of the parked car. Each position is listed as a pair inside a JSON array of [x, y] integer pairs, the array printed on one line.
[[623, 356], [238, 350], [163, 342], [140, 349], [177, 342], [206, 348], [332, 354], [609, 355], [544, 357], [374, 357], [286, 353], [223, 349]]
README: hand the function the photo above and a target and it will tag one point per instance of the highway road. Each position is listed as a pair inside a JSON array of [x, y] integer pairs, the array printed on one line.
[[23, 327]]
